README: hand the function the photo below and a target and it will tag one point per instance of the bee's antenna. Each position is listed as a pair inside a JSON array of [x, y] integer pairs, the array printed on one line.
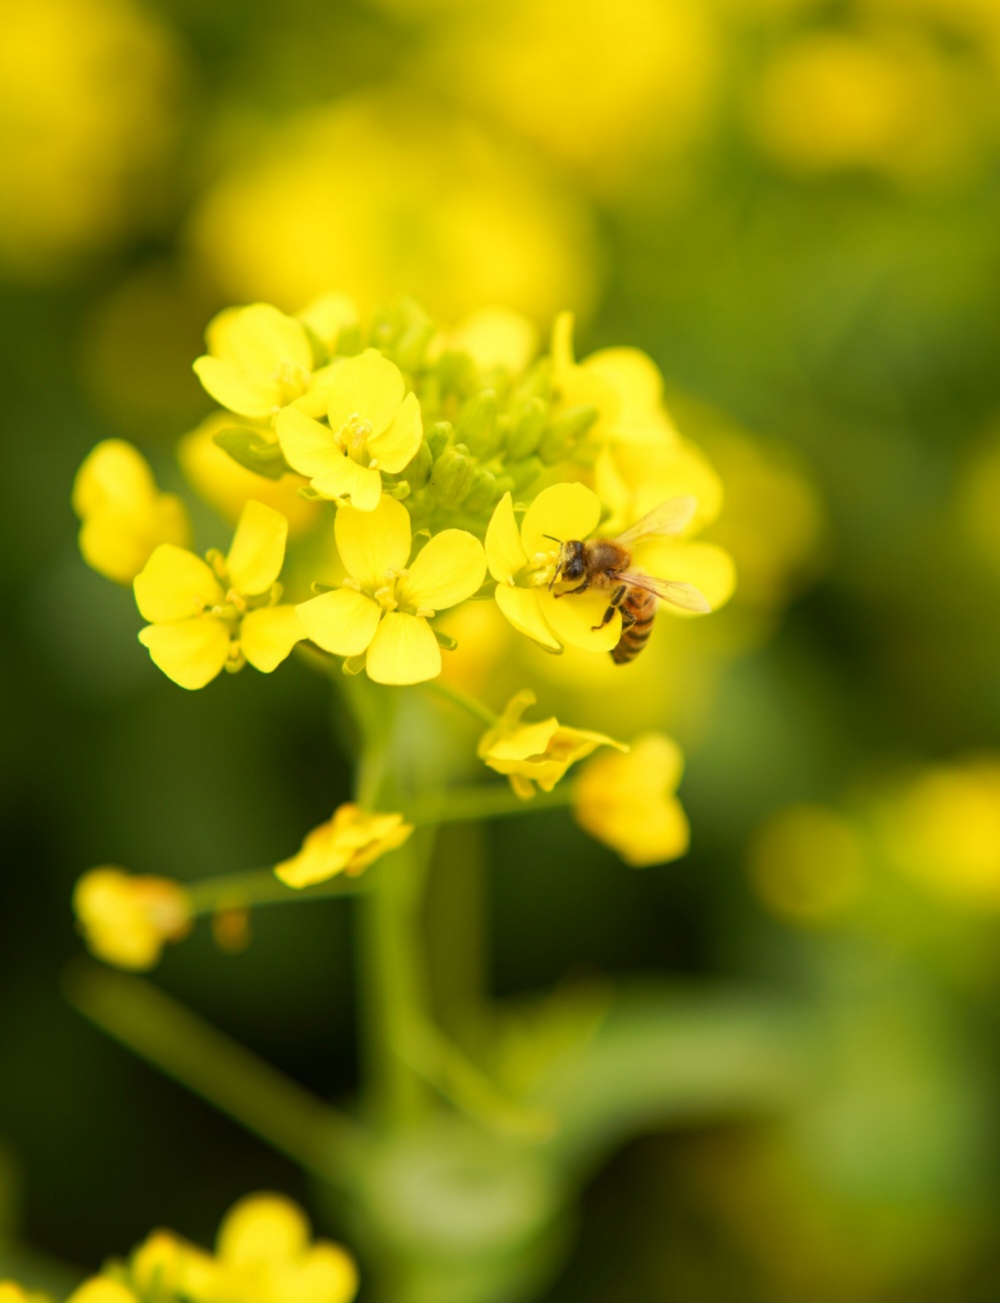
[[553, 538]]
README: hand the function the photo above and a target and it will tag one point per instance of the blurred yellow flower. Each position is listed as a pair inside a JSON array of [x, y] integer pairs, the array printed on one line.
[[207, 617], [259, 361], [494, 337], [347, 843], [375, 426], [126, 919], [87, 90], [523, 562], [124, 515], [102, 1289], [351, 195], [227, 486], [806, 863], [383, 608], [264, 1254], [538, 753], [943, 830], [629, 803]]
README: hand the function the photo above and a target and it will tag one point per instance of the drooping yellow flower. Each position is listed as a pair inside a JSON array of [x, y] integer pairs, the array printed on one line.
[[375, 426], [536, 753], [126, 919], [259, 361], [124, 515], [629, 803], [383, 608], [219, 613], [347, 843]]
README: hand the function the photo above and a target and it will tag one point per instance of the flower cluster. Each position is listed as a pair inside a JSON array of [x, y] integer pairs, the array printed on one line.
[[264, 1254]]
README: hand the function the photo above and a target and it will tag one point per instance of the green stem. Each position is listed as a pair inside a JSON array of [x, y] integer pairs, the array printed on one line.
[[482, 801], [217, 1068], [464, 701], [253, 887]]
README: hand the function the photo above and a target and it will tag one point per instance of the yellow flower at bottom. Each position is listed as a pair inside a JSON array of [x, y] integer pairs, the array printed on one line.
[[102, 1289], [384, 606], [628, 802], [126, 919], [347, 843], [124, 515], [206, 617], [536, 753]]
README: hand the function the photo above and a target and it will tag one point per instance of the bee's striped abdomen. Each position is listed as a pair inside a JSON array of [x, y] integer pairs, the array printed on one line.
[[642, 606]]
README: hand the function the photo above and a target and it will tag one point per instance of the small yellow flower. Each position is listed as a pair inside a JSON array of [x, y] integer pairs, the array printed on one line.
[[265, 1255], [259, 361], [208, 616], [628, 802], [524, 561], [102, 1289], [166, 1266], [375, 426], [124, 515], [536, 753], [347, 843], [383, 608], [126, 919]]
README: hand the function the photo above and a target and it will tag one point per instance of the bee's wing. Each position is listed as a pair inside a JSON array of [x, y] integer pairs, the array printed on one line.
[[686, 596], [669, 517]]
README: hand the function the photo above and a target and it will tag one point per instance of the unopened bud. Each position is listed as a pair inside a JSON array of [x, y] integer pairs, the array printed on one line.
[[524, 472], [565, 432], [438, 437], [418, 471], [482, 492], [452, 475], [477, 424], [527, 425]]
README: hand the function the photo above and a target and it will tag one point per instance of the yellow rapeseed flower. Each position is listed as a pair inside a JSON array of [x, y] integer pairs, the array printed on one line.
[[523, 562], [124, 515], [205, 617], [629, 802], [259, 361], [126, 919], [494, 337], [536, 753], [375, 426], [102, 1289], [347, 843], [383, 608]]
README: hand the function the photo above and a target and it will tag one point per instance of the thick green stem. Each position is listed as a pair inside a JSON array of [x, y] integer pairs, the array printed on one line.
[[254, 887]]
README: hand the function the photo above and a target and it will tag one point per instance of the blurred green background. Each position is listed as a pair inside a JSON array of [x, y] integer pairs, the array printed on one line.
[[794, 207]]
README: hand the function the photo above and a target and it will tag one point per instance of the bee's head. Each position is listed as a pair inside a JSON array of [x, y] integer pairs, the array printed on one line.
[[571, 564]]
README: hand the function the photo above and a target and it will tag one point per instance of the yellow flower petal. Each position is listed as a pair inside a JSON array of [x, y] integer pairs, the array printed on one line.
[[397, 445], [522, 609], [504, 553], [117, 544], [525, 741], [563, 511], [372, 543], [573, 618], [191, 652], [404, 650], [449, 569], [175, 584], [707, 566], [628, 802], [368, 386], [267, 636], [113, 474], [309, 447], [347, 843], [326, 1274], [102, 1289], [259, 339], [496, 337], [346, 479], [258, 549], [342, 622], [248, 395], [262, 1228]]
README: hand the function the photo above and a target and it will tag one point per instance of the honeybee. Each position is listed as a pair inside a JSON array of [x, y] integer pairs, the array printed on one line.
[[605, 562]]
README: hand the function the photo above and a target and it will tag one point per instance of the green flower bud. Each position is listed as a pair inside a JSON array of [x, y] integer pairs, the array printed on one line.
[[452, 475], [527, 424], [438, 437], [477, 424], [561, 438], [482, 492], [418, 471]]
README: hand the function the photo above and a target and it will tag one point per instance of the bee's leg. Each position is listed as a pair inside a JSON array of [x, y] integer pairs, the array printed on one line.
[[617, 597], [580, 588]]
